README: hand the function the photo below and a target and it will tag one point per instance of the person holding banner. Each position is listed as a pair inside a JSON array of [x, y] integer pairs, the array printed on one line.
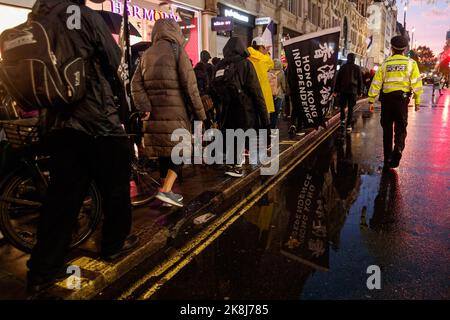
[[395, 81]]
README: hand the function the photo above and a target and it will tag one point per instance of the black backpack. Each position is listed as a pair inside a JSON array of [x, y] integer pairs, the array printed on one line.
[[227, 86], [41, 71]]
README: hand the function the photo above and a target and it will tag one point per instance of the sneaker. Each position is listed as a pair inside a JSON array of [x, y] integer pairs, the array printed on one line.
[[170, 198], [292, 130], [300, 134], [349, 128], [131, 243], [234, 171]]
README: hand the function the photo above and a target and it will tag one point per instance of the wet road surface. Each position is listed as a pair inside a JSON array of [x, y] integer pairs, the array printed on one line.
[[315, 234]]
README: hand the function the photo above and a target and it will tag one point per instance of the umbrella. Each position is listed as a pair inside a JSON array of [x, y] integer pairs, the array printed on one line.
[[114, 21]]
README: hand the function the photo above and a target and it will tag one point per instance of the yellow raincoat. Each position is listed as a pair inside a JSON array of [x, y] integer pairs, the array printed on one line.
[[263, 63]]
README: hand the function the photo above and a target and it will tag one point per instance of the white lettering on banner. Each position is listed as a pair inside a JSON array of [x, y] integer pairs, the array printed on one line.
[[326, 95], [303, 68], [236, 15], [326, 73], [324, 52]]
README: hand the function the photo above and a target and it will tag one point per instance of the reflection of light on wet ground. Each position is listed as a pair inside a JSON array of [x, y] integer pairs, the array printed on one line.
[[445, 112]]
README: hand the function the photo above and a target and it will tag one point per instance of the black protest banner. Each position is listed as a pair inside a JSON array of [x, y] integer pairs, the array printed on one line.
[[306, 239], [312, 61]]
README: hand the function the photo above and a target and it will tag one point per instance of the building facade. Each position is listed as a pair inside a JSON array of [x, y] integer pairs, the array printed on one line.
[[382, 17], [291, 18]]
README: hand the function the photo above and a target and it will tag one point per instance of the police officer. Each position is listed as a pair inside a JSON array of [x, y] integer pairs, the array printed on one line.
[[395, 81]]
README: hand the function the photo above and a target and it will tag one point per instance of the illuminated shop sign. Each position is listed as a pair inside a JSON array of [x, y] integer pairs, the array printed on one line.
[[239, 17], [236, 15], [263, 21], [142, 13], [222, 24]]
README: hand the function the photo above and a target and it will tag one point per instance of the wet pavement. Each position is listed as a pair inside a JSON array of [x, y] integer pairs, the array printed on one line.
[[314, 234], [404, 230]]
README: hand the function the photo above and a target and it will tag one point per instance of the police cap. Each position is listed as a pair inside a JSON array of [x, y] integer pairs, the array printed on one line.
[[399, 43]]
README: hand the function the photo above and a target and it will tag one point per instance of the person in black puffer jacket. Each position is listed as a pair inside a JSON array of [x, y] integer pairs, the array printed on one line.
[[349, 86]]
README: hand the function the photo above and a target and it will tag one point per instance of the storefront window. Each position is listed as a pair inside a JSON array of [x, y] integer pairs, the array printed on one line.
[[11, 16], [143, 14]]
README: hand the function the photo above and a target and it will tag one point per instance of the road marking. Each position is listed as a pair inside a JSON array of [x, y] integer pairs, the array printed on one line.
[[205, 238]]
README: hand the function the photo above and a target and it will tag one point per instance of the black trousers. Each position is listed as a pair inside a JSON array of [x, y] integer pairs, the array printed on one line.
[[394, 120], [347, 100], [165, 163], [76, 160]]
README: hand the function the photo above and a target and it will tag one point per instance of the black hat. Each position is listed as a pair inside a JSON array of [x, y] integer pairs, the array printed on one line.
[[399, 43]]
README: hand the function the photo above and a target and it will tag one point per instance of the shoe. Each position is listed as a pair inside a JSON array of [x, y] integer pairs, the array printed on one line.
[[300, 134], [131, 243], [170, 198], [36, 284], [234, 171], [349, 128], [395, 159], [292, 130]]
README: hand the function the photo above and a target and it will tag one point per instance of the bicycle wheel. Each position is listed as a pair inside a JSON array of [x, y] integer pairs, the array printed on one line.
[[142, 186], [20, 205]]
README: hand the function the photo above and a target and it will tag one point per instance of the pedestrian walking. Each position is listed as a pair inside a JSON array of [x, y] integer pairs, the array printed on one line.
[[263, 63], [278, 86], [395, 81], [165, 87], [242, 102], [86, 142], [203, 73], [349, 86]]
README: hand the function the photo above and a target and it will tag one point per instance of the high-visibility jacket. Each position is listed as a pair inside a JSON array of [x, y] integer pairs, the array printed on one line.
[[397, 73]]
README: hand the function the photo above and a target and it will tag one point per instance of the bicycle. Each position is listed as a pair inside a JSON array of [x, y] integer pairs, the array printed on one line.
[[24, 186]]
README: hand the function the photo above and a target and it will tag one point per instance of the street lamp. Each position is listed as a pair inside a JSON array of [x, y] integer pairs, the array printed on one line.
[[412, 37], [404, 17]]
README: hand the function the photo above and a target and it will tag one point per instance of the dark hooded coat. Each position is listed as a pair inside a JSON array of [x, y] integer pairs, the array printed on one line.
[[166, 88], [349, 78], [252, 113]]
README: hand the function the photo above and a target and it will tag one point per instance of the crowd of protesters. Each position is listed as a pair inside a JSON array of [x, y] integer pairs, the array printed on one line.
[[246, 89]]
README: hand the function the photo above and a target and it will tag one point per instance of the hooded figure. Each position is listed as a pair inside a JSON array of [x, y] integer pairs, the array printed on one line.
[[253, 112], [263, 63], [349, 78], [242, 101], [349, 85], [203, 73], [166, 88]]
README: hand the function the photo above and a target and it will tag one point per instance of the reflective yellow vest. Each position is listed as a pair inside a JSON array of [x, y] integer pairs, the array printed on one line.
[[397, 73]]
